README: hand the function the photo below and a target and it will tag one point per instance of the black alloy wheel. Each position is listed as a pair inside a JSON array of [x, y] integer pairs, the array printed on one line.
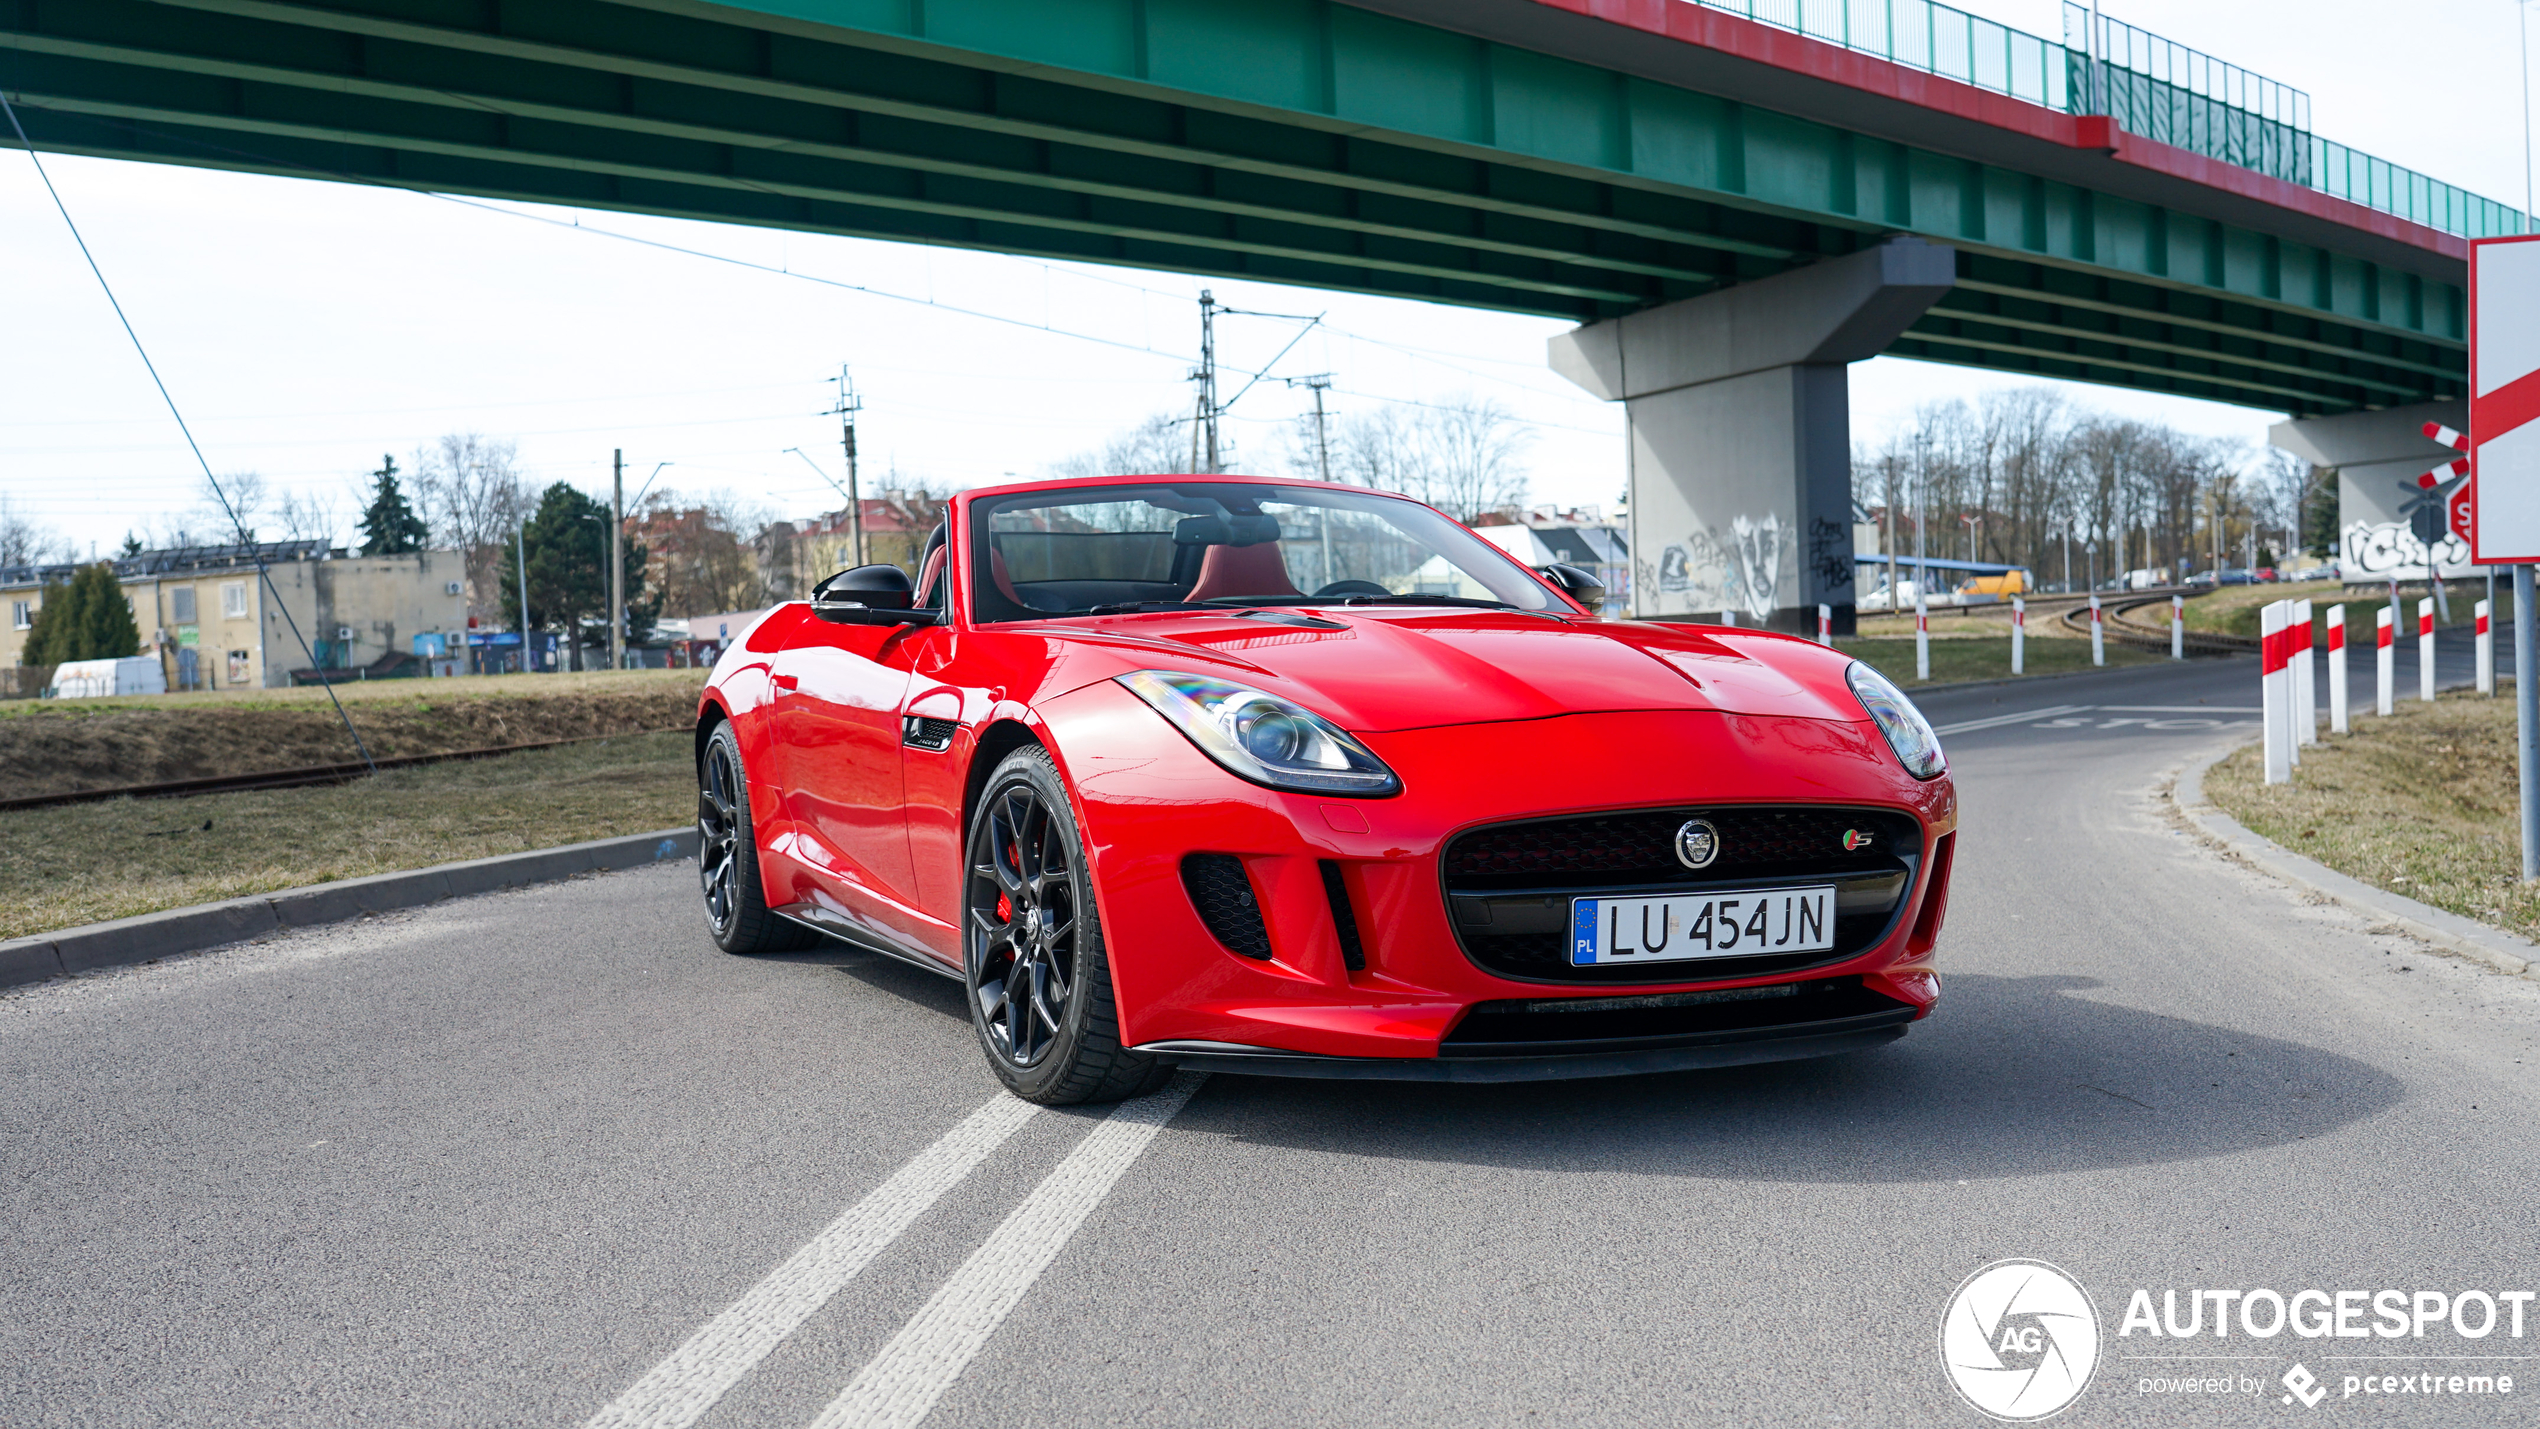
[[727, 858], [1040, 988]]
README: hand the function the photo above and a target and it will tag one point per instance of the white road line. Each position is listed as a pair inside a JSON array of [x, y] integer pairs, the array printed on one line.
[[675, 1392], [2183, 709], [901, 1384], [2050, 712]]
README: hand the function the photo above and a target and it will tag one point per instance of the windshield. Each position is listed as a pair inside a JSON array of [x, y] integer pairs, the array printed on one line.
[[1086, 550]]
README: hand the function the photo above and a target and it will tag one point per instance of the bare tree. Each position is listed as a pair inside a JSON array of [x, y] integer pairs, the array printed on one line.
[[308, 516], [468, 489], [1159, 445], [22, 541], [1464, 456], [225, 513]]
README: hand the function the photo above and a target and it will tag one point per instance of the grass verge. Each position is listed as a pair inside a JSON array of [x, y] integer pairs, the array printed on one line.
[[2233, 610], [62, 746], [2422, 803], [84, 863], [1984, 659]]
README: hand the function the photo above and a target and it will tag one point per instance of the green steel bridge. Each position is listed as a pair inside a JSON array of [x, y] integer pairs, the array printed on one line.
[[2121, 212]]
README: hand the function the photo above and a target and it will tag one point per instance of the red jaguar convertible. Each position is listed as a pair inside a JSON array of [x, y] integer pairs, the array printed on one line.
[[1301, 779]]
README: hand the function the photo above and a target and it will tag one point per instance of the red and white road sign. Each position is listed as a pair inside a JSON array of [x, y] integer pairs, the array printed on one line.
[[2504, 399]]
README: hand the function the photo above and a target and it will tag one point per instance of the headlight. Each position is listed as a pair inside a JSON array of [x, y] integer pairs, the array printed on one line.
[[1263, 738], [1908, 733]]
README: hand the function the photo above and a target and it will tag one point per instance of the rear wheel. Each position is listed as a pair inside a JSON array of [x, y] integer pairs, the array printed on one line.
[[727, 858], [1033, 960]]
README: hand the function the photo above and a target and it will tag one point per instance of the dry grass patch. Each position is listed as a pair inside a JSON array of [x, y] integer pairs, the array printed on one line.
[[62, 746], [84, 863], [1987, 659], [2233, 610], [2422, 803]]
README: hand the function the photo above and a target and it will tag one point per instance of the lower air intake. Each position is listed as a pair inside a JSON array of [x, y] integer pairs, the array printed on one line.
[[1223, 895]]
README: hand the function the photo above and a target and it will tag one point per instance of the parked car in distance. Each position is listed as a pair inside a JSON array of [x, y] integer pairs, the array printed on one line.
[[2001, 587], [2234, 575], [1883, 600]]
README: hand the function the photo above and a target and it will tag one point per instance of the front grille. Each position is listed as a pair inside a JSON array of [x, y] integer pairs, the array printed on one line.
[[1639, 846], [1543, 1026], [1223, 895], [1508, 887]]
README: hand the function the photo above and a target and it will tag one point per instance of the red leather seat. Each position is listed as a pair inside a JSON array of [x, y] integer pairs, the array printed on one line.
[[1242, 570]]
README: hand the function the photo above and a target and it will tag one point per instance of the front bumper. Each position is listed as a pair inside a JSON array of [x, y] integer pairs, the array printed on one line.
[[1405, 1000], [1690, 1053]]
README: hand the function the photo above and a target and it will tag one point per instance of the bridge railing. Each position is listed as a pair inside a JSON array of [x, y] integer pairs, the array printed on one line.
[[2154, 87]]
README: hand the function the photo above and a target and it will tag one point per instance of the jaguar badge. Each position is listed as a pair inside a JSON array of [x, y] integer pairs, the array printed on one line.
[[1697, 844], [1855, 840]]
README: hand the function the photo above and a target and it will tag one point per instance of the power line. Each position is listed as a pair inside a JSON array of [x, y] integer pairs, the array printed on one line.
[[240, 526]]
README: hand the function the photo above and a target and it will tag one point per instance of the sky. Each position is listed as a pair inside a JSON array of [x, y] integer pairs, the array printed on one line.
[[308, 328]]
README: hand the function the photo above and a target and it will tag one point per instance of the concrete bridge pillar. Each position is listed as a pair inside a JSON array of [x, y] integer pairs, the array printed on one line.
[[2378, 457], [1740, 430]]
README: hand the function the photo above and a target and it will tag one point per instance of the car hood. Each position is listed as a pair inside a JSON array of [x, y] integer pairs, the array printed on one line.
[[1411, 668]]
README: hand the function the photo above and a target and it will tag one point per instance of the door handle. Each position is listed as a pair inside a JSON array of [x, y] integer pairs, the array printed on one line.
[[788, 682]]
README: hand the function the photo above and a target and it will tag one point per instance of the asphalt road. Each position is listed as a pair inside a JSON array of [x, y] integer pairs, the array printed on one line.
[[519, 1159]]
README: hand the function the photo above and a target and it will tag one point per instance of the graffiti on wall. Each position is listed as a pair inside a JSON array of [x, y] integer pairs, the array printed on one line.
[[2389, 547], [1739, 569]]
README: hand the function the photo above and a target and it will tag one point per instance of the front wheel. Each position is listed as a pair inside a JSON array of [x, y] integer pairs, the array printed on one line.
[[727, 858], [1040, 987]]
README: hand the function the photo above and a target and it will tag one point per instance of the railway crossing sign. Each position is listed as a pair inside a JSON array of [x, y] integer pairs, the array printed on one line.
[[2504, 399]]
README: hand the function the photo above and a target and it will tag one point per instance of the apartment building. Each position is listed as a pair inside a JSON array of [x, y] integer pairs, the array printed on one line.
[[214, 625]]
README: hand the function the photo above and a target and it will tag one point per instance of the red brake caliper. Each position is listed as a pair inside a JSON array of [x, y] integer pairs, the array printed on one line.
[[1005, 910]]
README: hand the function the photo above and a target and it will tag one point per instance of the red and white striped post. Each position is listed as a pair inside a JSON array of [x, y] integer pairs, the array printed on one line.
[[2425, 650], [2098, 645], [2178, 627], [1922, 636], [2382, 657], [2019, 633], [2486, 652], [2274, 687], [2337, 669], [2306, 710], [1825, 625]]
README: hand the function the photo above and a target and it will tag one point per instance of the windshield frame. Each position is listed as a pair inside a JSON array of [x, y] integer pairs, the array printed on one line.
[[1447, 537]]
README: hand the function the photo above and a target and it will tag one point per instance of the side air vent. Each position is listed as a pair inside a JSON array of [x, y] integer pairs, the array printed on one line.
[[1223, 895], [934, 734], [1344, 918]]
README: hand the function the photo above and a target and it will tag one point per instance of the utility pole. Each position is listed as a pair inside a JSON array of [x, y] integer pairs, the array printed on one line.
[[617, 559], [848, 406], [1318, 384], [1206, 377], [520, 548]]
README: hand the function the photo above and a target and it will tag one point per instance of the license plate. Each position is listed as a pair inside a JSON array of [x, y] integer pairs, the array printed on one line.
[[1681, 926]]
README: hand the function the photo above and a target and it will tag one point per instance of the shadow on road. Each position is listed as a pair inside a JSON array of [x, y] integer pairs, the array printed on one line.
[[2013, 1077]]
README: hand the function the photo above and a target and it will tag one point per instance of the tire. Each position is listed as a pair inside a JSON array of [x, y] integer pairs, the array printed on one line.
[[1029, 927], [737, 915]]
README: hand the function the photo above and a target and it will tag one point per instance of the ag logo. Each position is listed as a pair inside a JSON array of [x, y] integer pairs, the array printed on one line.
[[1697, 843], [2019, 1340]]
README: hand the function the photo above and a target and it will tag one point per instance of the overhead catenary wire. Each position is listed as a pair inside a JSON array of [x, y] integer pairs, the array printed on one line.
[[245, 537], [785, 271]]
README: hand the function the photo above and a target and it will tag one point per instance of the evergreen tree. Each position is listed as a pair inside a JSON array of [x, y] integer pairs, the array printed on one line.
[[52, 621], [131, 546], [390, 527], [568, 550], [86, 619]]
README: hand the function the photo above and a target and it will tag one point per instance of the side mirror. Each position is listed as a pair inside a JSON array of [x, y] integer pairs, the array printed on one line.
[[1577, 584], [869, 595]]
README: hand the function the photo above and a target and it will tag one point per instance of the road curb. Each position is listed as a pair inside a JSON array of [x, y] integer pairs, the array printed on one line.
[[2446, 932], [208, 925]]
